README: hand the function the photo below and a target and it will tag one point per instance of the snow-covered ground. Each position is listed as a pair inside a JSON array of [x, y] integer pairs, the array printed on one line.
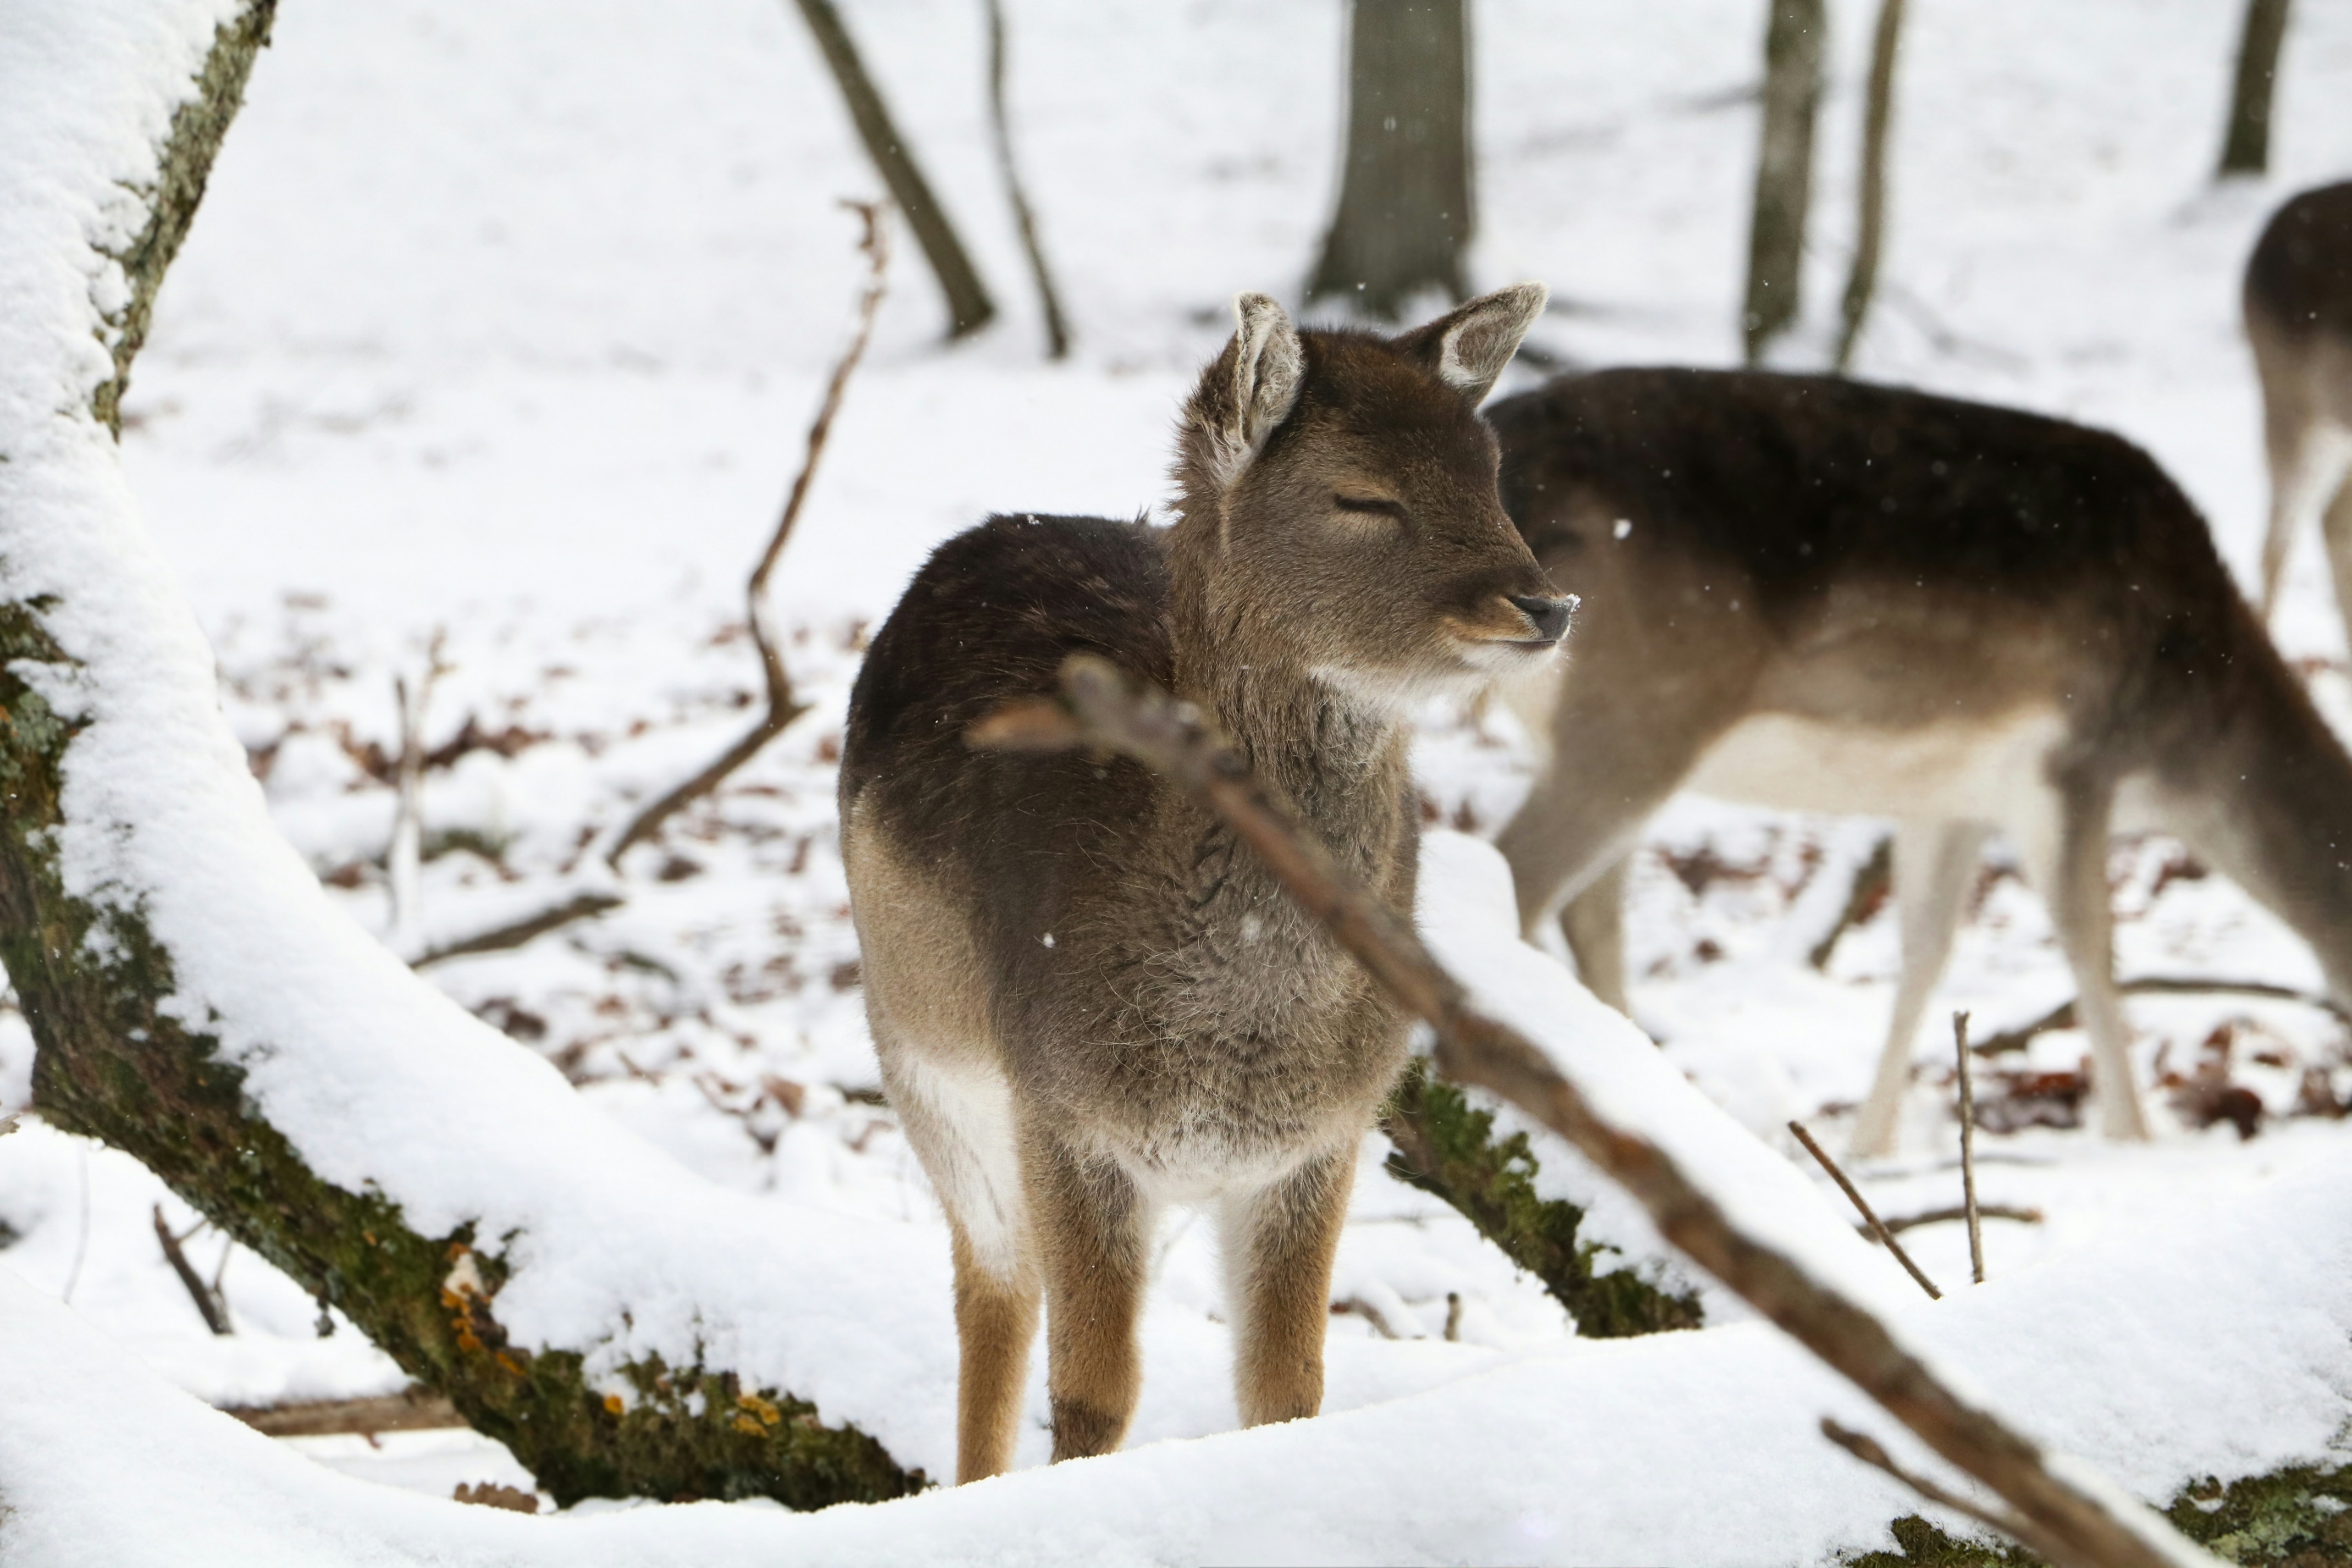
[[501, 325]]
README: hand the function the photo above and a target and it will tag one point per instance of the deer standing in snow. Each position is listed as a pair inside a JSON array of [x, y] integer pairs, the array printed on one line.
[[2298, 306], [1822, 595], [1088, 999]]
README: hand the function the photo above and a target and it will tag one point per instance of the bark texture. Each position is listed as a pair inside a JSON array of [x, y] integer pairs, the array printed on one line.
[[113, 1062], [1795, 35], [2246, 140], [1447, 1146], [1405, 192]]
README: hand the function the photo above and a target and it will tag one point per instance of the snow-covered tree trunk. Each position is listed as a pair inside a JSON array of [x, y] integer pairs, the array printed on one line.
[[195, 1000]]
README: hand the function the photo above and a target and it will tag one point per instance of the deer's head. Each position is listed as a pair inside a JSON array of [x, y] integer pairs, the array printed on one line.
[[1340, 508]]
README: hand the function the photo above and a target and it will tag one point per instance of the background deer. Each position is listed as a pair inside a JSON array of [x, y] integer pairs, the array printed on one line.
[[2298, 305], [1821, 595], [1088, 1000]]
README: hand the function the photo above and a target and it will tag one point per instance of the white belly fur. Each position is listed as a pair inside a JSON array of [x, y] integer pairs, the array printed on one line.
[[1990, 770]]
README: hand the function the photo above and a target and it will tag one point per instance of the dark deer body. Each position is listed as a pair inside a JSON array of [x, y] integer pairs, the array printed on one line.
[[2298, 304], [1818, 594], [1089, 1001]]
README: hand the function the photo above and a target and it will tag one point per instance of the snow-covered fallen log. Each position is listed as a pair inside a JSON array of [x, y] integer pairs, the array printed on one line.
[[623, 1327]]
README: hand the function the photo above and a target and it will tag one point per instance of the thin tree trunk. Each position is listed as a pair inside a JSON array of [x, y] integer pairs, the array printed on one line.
[[121, 1057], [1869, 226], [1794, 38], [969, 306], [2246, 140], [1000, 120], [1405, 203]]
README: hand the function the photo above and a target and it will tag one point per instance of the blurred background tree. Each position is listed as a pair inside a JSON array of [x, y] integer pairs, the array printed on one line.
[[2246, 140], [1794, 36], [1404, 212]]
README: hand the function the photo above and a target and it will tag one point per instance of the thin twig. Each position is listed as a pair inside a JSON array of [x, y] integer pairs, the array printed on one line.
[[1938, 1216], [2073, 1524], [417, 1409], [209, 1306], [2062, 1017], [402, 861], [82, 1242], [783, 707], [1371, 1314], [1866, 1448], [1969, 1149], [1057, 330], [1869, 1216], [514, 933]]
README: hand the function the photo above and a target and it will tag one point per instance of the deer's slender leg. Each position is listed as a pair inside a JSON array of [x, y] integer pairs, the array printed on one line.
[[1594, 923], [1935, 863], [2287, 430], [1093, 1230], [2336, 526], [1278, 1243], [996, 1321], [2072, 864]]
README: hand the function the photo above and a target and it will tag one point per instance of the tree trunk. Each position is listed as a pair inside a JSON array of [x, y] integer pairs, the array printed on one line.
[[2246, 141], [1000, 120], [1405, 193], [1794, 38], [969, 306], [122, 1054], [1870, 224]]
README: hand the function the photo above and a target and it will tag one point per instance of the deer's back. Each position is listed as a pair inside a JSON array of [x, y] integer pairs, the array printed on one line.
[[2299, 278]]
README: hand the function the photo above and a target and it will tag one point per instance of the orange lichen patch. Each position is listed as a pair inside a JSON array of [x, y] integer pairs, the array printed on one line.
[[614, 1407], [767, 1413], [748, 1425], [510, 1365]]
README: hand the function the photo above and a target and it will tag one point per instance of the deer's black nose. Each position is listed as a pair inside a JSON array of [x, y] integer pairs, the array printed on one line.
[[1548, 616]]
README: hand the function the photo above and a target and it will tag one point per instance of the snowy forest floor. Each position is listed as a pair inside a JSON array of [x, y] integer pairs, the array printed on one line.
[[500, 329]]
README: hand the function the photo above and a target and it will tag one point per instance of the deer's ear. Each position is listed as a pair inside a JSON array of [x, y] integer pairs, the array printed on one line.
[[1468, 347], [1249, 390]]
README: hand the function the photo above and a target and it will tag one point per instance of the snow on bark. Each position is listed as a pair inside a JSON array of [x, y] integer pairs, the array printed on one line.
[[198, 1002]]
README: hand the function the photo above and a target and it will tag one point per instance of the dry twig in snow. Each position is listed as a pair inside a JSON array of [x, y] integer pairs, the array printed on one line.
[[2071, 1523], [1968, 1150], [1876, 1227]]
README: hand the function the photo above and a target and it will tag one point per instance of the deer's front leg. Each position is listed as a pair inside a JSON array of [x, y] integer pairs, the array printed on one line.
[[1279, 1244], [1093, 1230]]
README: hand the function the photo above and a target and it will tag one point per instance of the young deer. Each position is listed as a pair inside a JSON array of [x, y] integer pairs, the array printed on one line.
[[2298, 303], [1089, 1001], [1821, 595]]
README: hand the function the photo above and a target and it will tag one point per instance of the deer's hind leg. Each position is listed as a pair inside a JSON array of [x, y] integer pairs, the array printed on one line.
[[1278, 1243], [960, 1125], [1094, 1229], [1934, 862]]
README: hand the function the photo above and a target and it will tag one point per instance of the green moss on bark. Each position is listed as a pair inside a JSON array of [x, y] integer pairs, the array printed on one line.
[[1447, 1146], [2300, 1517], [110, 1064]]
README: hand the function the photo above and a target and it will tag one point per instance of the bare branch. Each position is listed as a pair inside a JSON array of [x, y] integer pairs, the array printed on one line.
[[579, 907], [1868, 1449], [2080, 1527], [783, 707], [416, 1409], [2062, 1017], [1938, 1216], [1876, 1227], [1969, 1149], [209, 1305]]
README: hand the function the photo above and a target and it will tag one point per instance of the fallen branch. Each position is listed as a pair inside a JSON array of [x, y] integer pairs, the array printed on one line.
[[1863, 896], [1940, 1216], [413, 1409], [2071, 1522], [210, 1305], [1869, 1220], [783, 707], [2062, 1017], [1868, 1449]]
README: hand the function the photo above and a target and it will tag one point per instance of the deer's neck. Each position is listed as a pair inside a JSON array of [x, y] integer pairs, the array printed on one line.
[[1339, 759]]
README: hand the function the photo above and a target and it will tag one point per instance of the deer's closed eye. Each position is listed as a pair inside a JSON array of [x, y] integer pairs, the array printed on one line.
[[1370, 506]]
